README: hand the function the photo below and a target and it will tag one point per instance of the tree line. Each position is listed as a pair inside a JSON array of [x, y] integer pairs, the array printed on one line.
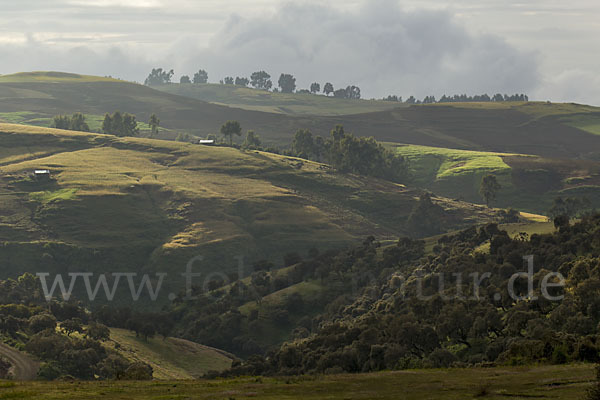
[[259, 80], [287, 84], [459, 98], [117, 123]]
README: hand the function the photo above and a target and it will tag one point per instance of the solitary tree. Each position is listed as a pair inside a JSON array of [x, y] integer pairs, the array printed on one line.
[[353, 92], [71, 326], [328, 88], [185, 79], [426, 217], [120, 124], [228, 80], [201, 76], [231, 128], [241, 81], [489, 188], [158, 77], [340, 93], [261, 80], [154, 123], [287, 83], [252, 140], [61, 122], [303, 144], [78, 123], [315, 88]]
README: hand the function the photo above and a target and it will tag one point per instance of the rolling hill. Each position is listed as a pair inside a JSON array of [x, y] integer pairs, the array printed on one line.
[[34, 98], [281, 103], [544, 129], [144, 205]]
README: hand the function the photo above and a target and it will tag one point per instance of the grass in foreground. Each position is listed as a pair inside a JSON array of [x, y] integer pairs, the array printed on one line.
[[547, 382]]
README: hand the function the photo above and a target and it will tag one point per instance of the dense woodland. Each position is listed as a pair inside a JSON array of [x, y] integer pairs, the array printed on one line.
[[371, 307], [370, 314], [61, 334]]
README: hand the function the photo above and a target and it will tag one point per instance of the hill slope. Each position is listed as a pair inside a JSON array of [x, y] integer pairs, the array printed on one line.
[[548, 130], [170, 358], [284, 103], [131, 204], [34, 98]]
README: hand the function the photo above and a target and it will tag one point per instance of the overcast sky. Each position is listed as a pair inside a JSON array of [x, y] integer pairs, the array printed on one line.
[[548, 49]]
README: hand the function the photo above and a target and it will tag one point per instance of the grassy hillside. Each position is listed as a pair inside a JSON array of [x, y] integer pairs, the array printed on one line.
[[522, 128], [131, 204], [285, 103], [52, 77], [528, 182], [556, 382], [549, 130], [170, 358], [34, 98]]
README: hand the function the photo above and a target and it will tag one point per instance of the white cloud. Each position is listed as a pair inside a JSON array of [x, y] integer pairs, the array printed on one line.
[[575, 85]]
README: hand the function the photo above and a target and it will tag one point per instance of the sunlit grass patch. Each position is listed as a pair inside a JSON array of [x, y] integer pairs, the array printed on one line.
[[49, 196], [589, 123], [444, 163]]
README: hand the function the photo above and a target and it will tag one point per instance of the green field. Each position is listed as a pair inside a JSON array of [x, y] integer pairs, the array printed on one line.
[[430, 163], [170, 358], [551, 382], [284, 103]]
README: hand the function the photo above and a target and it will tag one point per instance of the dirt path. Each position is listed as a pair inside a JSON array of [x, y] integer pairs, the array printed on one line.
[[24, 368]]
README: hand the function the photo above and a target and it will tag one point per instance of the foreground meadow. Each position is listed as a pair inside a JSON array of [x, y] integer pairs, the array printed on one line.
[[545, 382]]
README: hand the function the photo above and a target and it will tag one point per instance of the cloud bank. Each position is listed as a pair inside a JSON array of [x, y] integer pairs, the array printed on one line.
[[378, 45]]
